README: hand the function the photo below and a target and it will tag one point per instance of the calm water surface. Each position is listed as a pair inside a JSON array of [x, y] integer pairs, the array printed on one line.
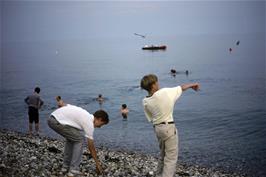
[[223, 125]]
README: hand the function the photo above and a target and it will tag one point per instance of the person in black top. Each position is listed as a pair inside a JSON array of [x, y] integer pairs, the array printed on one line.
[[34, 103]]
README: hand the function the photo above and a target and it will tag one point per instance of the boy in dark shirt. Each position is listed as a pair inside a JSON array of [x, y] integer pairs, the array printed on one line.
[[34, 103]]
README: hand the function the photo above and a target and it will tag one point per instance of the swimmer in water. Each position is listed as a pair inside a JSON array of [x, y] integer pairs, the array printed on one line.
[[173, 72], [60, 102], [124, 111], [100, 99]]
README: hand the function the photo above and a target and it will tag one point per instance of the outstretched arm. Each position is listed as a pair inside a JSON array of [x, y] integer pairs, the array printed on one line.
[[92, 150], [194, 86]]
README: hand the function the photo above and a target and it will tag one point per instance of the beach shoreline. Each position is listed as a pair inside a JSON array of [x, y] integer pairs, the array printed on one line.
[[24, 155]]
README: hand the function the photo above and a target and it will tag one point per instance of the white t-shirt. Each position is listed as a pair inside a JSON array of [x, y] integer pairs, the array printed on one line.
[[159, 107], [76, 117]]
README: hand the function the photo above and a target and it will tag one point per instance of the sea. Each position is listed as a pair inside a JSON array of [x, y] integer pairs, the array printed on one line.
[[222, 126]]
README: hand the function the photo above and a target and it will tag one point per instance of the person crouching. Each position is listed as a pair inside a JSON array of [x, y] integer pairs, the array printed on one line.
[[73, 123]]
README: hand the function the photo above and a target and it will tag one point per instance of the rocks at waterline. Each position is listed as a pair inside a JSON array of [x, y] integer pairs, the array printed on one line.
[[22, 155]]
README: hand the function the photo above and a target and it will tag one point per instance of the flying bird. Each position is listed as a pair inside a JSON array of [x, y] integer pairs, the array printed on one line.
[[143, 36]]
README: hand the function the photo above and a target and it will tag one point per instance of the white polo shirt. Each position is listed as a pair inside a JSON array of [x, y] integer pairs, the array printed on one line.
[[159, 107], [76, 117]]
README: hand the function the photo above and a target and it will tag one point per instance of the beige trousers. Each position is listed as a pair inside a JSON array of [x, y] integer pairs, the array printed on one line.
[[167, 136]]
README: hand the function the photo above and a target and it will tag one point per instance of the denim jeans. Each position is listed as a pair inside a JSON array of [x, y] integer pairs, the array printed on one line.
[[73, 145]]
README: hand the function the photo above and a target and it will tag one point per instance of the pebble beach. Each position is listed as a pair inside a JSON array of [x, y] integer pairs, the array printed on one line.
[[34, 156]]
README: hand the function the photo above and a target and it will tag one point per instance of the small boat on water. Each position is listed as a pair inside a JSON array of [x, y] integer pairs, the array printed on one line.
[[154, 47]]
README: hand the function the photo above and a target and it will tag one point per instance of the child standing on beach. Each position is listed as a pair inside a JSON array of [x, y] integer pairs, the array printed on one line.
[[158, 108], [34, 103]]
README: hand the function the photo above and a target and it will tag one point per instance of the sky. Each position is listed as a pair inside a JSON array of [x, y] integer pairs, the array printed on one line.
[[66, 20]]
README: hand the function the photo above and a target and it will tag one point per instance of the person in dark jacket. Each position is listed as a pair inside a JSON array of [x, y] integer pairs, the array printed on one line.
[[34, 103]]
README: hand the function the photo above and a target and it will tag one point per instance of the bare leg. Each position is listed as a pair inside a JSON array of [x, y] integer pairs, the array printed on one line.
[[30, 128], [37, 128]]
